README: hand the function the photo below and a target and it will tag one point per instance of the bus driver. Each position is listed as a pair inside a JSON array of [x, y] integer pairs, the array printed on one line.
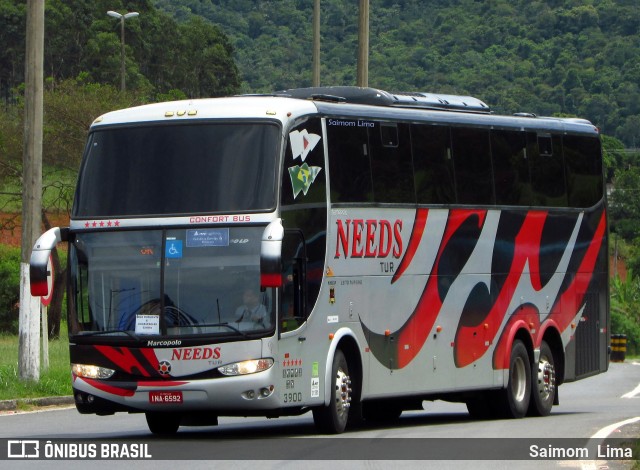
[[251, 310]]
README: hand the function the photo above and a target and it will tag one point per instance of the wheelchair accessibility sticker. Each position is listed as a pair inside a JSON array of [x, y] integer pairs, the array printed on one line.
[[173, 248]]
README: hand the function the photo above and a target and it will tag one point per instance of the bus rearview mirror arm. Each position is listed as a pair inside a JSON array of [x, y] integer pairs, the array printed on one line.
[[271, 255], [40, 257]]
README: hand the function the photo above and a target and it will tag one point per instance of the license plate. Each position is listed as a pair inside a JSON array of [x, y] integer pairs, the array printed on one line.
[[165, 397]]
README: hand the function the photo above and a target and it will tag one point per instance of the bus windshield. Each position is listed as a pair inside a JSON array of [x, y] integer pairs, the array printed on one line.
[[169, 282], [177, 169]]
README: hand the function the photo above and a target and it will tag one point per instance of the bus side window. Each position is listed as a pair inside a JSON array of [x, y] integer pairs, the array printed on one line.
[[510, 167], [349, 162], [472, 162], [583, 160], [433, 165], [391, 166], [547, 170]]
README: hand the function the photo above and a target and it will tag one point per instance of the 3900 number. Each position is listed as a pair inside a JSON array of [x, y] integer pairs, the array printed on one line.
[[293, 397]]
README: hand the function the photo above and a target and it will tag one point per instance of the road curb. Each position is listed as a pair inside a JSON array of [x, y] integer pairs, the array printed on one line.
[[9, 405]]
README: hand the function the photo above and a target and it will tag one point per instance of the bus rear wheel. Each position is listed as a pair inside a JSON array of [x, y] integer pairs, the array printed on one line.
[[514, 400], [544, 389], [163, 423], [332, 418]]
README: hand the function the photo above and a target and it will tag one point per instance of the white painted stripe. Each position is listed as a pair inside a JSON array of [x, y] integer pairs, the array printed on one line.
[[604, 432], [632, 393]]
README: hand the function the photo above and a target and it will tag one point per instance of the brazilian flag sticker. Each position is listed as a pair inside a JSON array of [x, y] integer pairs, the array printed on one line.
[[302, 177]]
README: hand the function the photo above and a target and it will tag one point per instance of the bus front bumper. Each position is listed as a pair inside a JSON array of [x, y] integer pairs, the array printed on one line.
[[251, 393]]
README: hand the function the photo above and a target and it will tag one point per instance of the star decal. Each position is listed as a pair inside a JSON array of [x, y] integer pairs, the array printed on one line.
[[102, 223]]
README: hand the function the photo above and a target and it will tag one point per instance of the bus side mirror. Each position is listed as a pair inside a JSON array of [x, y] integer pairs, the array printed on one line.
[[40, 258], [271, 255]]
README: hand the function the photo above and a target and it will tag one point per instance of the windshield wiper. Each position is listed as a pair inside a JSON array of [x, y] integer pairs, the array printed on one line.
[[227, 324], [108, 332], [86, 334]]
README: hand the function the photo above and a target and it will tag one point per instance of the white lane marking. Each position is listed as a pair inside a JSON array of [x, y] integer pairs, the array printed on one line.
[[632, 393], [604, 432]]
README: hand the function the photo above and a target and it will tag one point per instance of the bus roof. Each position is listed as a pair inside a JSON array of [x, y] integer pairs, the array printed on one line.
[[494, 121], [346, 102], [237, 107], [375, 97]]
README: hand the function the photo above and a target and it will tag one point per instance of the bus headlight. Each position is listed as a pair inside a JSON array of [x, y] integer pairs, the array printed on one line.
[[246, 367], [91, 372]]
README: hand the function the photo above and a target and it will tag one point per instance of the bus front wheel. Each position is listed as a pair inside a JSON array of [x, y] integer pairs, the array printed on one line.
[[332, 418], [163, 423]]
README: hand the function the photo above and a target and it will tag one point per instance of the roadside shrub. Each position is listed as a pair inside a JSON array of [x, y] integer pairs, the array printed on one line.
[[625, 309], [9, 288]]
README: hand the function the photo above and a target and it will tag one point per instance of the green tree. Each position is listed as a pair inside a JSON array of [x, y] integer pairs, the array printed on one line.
[[206, 67], [12, 34], [81, 39], [629, 131], [613, 154], [543, 57], [9, 288], [70, 107], [624, 204]]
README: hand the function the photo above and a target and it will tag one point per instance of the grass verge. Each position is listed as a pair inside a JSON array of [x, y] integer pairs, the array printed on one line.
[[56, 381]]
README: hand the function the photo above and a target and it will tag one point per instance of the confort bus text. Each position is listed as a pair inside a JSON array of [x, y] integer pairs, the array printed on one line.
[[212, 219]]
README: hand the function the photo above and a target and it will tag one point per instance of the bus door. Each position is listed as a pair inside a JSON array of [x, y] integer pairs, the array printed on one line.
[[293, 313]]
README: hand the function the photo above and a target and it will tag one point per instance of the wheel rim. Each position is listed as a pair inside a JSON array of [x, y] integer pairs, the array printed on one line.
[[546, 379], [343, 394], [519, 380]]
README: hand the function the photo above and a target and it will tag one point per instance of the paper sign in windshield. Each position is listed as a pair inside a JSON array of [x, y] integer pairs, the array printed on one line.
[[147, 324], [207, 237]]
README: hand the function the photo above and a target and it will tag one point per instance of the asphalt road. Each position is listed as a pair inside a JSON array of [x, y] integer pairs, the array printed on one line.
[[606, 405]]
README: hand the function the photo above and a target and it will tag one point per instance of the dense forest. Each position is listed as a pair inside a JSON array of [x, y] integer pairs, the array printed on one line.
[[568, 57], [571, 57], [163, 57]]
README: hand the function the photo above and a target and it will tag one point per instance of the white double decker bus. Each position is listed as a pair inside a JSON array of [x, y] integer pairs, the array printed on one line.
[[340, 250]]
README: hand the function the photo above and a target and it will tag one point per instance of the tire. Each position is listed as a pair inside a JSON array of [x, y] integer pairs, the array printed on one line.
[[163, 423], [544, 388], [333, 418], [513, 401]]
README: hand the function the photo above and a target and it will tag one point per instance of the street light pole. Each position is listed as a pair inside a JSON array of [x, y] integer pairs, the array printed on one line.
[[316, 44], [363, 45], [126, 16]]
